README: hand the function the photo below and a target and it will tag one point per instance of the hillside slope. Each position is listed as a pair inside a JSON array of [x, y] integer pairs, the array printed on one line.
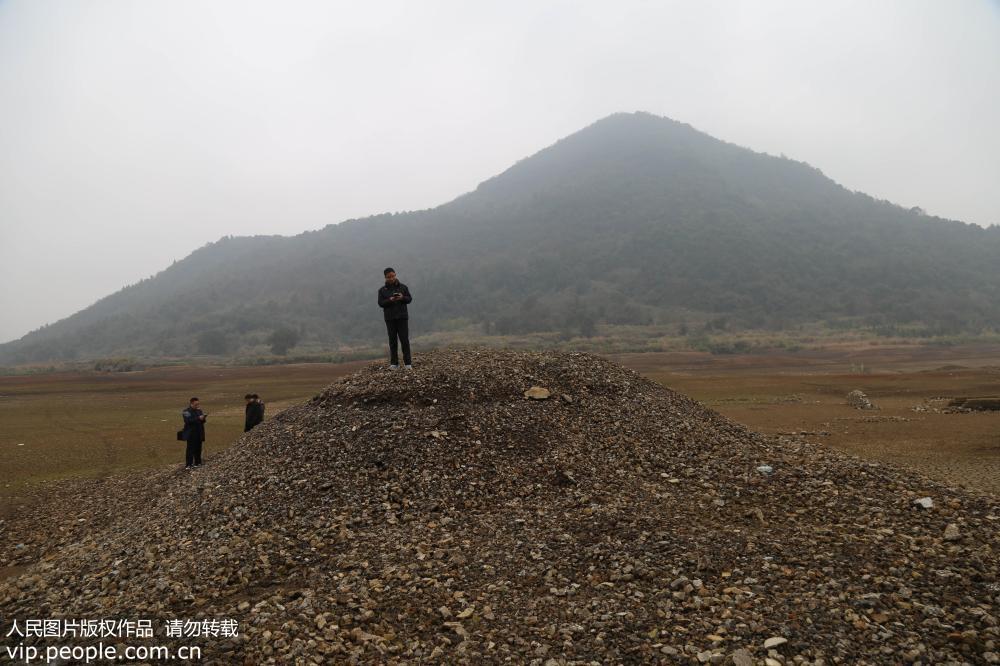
[[440, 516], [636, 219]]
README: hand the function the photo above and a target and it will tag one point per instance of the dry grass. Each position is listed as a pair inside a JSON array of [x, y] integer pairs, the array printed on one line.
[[806, 392], [87, 424]]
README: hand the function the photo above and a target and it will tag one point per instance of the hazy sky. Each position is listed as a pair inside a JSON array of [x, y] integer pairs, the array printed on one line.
[[132, 133]]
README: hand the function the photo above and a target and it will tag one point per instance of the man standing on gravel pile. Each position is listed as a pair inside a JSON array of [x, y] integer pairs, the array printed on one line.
[[393, 297]]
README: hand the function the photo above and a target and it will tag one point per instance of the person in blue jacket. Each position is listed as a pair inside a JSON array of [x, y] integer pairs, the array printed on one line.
[[194, 433]]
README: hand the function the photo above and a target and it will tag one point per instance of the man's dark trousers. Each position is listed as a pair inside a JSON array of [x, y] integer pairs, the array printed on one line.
[[193, 454], [399, 331]]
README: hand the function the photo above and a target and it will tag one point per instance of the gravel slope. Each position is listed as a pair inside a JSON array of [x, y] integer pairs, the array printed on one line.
[[441, 516]]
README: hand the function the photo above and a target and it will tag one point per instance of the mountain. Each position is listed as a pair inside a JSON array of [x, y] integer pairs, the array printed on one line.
[[636, 219], [440, 517]]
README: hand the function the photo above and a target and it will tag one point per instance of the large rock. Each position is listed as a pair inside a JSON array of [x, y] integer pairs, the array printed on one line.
[[859, 400]]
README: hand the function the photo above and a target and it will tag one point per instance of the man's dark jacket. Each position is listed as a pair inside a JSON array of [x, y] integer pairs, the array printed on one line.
[[255, 415], [194, 427], [394, 309]]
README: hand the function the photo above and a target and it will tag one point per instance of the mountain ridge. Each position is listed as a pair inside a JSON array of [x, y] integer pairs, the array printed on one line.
[[762, 240]]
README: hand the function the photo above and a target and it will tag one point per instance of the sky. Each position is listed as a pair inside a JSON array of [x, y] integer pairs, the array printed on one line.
[[132, 133]]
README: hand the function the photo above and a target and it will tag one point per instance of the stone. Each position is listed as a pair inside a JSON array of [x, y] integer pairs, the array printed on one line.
[[774, 641], [537, 393], [951, 532], [741, 657], [858, 400]]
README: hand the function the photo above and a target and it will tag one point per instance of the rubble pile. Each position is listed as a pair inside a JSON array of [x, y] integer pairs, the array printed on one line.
[[455, 514], [858, 400]]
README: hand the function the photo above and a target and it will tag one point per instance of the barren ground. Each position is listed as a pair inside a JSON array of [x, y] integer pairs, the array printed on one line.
[[63, 426], [806, 391]]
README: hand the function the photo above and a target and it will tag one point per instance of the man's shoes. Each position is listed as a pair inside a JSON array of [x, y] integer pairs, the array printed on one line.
[[188, 466], [408, 367], [394, 367]]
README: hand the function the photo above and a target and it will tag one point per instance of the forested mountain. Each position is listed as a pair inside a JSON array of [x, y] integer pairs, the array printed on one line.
[[635, 219]]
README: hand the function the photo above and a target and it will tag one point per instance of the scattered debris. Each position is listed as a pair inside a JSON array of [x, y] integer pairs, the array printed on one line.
[[882, 419], [805, 433], [623, 529]]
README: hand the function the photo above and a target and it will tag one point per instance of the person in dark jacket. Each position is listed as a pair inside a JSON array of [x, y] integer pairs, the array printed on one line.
[[194, 433], [260, 408], [393, 297], [255, 411]]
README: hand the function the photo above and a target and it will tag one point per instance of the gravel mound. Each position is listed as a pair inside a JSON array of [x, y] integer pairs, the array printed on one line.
[[443, 516]]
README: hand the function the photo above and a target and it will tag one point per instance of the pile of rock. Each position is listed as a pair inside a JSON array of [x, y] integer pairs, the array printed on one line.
[[974, 405], [446, 516], [858, 400]]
